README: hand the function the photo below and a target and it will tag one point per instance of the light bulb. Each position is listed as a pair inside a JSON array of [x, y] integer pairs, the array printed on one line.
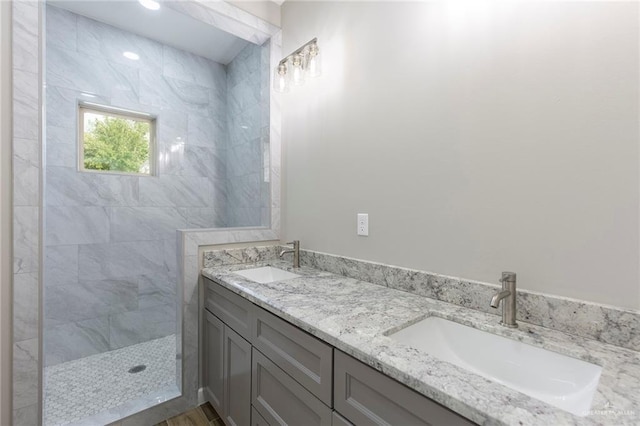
[[313, 63], [298, 70], [280, 80]]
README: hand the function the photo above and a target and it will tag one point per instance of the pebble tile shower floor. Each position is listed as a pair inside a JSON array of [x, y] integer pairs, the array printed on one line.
[[82, 388]]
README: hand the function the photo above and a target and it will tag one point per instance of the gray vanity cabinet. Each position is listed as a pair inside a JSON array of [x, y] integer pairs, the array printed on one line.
[[227, 371], [305, 358], [367, 397], [338, 420], [281, 400], [233, 310], [237, 379], [260, 370], [212, 369], [257, 419]]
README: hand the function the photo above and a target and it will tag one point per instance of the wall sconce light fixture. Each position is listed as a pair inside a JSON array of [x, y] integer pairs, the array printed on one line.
[[294, 68]]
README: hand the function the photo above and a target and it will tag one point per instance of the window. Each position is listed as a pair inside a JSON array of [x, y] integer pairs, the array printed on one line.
[[115, 140]]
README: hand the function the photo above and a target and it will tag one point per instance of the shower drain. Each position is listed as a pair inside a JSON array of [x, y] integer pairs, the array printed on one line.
[[137, 368]]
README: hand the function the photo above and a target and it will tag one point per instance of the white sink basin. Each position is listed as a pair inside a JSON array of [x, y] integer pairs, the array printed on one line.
[[266, 274], [559, 380]]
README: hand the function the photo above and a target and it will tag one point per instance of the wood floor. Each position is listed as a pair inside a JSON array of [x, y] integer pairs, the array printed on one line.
[[203, 415]]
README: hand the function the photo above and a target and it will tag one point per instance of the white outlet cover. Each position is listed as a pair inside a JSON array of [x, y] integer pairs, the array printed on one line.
[[363, 224]]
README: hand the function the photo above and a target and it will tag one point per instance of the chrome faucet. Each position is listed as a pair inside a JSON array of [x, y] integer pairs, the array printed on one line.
[[296, 253], [508, 292]]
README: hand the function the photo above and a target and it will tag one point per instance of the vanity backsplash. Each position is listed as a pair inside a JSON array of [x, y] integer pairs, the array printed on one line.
[[616, 326]]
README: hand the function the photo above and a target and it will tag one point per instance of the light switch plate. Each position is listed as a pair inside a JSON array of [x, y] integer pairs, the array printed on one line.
[[363, 224]]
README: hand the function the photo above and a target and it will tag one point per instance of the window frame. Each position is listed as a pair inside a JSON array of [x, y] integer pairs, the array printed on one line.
[[116, 112]]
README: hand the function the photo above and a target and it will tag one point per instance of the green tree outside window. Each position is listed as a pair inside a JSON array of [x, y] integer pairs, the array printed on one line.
[[116, 144]]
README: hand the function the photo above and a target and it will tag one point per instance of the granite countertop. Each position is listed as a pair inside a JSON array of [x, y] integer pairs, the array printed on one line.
[[356, 316]]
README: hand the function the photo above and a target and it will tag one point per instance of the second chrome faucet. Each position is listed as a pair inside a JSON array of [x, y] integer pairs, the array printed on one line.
[[508, 298]]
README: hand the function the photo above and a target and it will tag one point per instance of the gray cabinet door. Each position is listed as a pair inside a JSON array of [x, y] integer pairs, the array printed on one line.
[[367, 397], [212, 366], [233, 310], [281, 400], [237, 379], [302, 356], [257, 419], [338, 420]]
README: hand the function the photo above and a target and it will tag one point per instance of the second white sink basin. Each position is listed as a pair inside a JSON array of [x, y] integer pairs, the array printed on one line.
[[559, 380], [266, 274]]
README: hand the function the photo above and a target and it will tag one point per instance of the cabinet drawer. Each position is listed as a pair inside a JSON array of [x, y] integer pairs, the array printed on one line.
[[305, 358], [281, 400], [366, 396], [257, 419], [233, 310]]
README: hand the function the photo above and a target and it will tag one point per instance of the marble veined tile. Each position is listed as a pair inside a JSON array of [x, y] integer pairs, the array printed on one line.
[[171, 128], [57, 135], [62, 155], [75, 340], [207, 131], [25, 36], [77, 71], [220, 196], [245, 191], [26, 416], [60, 265], [120, 260], [175, 191], [170, 257], [62, 106], [61, 28], [25, 105], [25, 239], [26, 172], [145, 223], [156, 290], [245, 63], [245, 127], [25, 296], [25, 373], [76, 225], [197, 161], [244, 159], [206, 217], [166, 92], [183, 65], [139, 326], [245, 94], [244, 216], [68, 187], [86, 299], [105, 41]]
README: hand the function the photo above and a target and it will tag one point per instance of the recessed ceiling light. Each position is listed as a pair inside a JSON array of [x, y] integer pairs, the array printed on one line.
[[150, 4], [131, 55]]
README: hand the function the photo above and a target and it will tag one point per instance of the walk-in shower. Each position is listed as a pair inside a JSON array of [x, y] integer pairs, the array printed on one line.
[[155, 121]]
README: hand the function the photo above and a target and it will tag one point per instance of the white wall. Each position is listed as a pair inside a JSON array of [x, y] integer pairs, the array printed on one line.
[[5, 214], [479, 138]]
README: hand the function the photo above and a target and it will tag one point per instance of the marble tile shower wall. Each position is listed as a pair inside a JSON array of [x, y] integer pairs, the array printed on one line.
[[248, 202], [110, 256]]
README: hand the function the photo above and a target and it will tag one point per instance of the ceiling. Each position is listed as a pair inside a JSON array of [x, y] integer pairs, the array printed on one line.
[[166, 26]]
